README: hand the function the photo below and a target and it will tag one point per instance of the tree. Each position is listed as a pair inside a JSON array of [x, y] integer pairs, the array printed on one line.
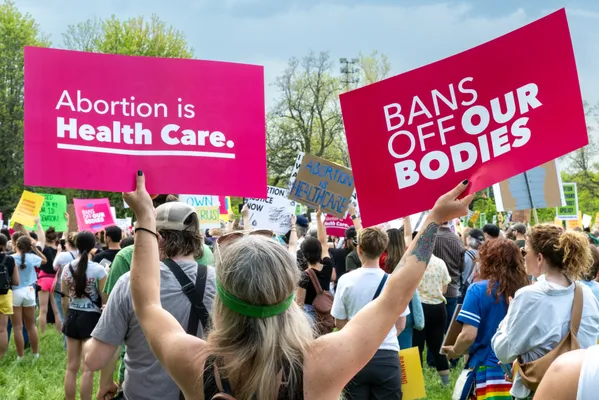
[[16, 30], [306, 116], [134, 36]]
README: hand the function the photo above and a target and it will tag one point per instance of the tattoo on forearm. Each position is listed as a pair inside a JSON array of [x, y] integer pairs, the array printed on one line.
[[425, 243]]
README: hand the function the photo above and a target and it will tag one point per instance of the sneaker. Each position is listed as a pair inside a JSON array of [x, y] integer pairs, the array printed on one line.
[[36, 356]]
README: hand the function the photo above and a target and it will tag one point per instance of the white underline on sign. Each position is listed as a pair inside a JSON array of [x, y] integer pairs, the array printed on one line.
[[145, 152]]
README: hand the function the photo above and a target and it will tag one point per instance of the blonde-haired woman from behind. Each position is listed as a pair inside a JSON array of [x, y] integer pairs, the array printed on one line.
[[261, 346], [539, 315]]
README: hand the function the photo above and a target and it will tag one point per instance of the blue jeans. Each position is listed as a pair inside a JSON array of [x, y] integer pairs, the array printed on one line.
[[58, 301], [310, 313], [405, 337]]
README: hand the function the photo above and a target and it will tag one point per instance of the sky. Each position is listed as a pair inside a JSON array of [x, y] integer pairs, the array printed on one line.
[[270, 32]]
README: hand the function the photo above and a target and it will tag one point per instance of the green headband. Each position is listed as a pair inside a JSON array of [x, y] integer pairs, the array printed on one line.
[[251, 310]]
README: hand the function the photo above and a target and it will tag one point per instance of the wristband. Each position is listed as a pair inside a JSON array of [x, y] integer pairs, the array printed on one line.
[[146, 230]]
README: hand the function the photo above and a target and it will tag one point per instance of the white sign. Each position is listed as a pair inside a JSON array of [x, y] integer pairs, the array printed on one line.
[[207, 207], [122, 223], [273, 212]]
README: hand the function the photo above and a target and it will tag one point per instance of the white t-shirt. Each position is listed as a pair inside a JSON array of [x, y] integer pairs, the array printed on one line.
[[94, 273], [588, 384], [355, 290], [63, 258]]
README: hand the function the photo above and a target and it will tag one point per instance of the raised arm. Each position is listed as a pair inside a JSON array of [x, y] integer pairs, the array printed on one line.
[[354, 216], [175, 350], [322, 234], [245, 217], [41, 235], [293, 236], [348, 350], [407, 230]]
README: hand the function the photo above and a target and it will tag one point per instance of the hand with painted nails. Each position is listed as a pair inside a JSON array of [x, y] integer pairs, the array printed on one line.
[[140, 201], [450, 206]]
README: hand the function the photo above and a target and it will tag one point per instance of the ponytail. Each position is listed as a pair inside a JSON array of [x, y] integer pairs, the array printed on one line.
[[80, 275], [24, 246]]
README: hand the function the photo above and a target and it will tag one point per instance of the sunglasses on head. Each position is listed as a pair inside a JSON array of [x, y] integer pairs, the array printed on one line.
[[231, 237]]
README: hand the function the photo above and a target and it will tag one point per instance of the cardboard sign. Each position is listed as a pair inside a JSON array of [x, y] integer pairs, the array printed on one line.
[[337, 226], [207, 207], [168, 117], [28, 209], [412, 378], [455, 328], [522, 216], [272, 213], [570, 211], [52, 212], [73, 227], [321, 183], [93, 214], [487, 114], [541, 187]]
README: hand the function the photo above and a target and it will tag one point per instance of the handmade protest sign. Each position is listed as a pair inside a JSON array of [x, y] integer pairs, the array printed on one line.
[[167, 117], [570, 211], [540, 187], [207, 207], [52, 212], [336, 226], [485, 115], [412, 378], [28, 209], [272, 213], [321, 183], [93, 214]]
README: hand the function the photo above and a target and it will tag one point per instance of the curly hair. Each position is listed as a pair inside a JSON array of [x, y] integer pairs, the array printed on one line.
[[595, 266], [569, 252], [502, 263]]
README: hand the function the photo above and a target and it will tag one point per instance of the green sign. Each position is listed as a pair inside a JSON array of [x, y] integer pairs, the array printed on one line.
[[53, 210], [570, 210]]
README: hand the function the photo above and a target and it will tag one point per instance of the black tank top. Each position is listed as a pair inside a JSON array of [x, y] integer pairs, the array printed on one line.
[[211, 388]]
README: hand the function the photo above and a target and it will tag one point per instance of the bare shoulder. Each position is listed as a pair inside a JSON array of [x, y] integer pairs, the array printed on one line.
[[561, 379]]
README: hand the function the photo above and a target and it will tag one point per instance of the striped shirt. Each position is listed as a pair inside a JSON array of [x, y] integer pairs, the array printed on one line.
[[449, 248]]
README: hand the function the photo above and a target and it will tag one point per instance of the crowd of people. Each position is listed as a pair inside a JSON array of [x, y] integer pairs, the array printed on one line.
[[251, 315]]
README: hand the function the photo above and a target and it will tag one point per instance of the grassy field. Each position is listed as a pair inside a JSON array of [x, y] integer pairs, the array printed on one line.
[[43, 379]]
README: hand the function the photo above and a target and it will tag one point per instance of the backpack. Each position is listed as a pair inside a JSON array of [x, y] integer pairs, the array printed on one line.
[[323, 304], [4, 276]]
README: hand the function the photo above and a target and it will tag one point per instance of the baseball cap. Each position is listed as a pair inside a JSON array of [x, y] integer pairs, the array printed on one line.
[[176, 216], [477, 234], [302, 221]]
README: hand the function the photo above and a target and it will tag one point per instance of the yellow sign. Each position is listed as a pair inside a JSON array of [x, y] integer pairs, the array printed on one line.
[[475, 217], [412, 379], [28, 208], [558, 222]]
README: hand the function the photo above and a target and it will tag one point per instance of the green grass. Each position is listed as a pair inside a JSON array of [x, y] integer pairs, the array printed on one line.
[[42, 379]]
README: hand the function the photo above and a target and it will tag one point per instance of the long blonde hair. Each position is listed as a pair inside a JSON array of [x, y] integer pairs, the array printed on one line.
[[259, 271]]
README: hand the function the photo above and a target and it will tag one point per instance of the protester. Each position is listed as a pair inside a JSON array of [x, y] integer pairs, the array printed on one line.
[[491, 231], [381, 377], [572, 376], [316, 253], [178, 225], [9, 275], [63, 258], [256, 279], [476, 238], [557, 259], [46, 279], [352, 261], [448, 248], [28, 258], [339, 256], [485, 306], [127, 241], [432, 287], [113, 236], [520, 231], [589, 278], [85, 281]]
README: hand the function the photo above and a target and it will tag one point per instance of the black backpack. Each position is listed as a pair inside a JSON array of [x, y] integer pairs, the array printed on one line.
[[4, 276]]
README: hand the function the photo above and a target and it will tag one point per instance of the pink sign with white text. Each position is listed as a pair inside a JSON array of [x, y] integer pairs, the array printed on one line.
[[336, 226], [93, 214], [192, 126]]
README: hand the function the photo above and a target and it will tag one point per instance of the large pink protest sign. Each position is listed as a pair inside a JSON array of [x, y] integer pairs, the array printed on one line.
[[192, 126], [336, 226], [93, 214]]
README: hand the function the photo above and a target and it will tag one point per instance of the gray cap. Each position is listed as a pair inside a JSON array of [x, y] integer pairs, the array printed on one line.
[[172, 217]]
